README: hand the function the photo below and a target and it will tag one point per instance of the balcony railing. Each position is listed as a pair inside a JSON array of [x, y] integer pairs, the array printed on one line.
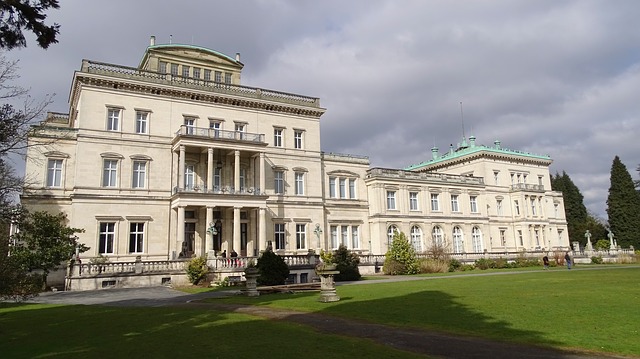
[[228, 190], [199, 84], [395, 173], [527, 187], [220, 134]]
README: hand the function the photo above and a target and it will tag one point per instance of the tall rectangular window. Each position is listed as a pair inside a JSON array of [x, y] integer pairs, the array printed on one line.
[[54, 173], [185, 71], [520, 237], [413, 201], [355, 237], [196, 72], [503, 237], [332, 187], [278, 185], [110, 173], [454, 203], [217, 178], [227, 77], [189, 177], [207, 75], [391, 200], [435, 203], [174, 69], [499, 207], [344, 231], [141, 121], [279, 235], [533, 206], [343, 188], [190, 125], [106, 237], [473, 203], [517, 207], [136, 237], [277, 137], [352, 188], [496, 177], [162, 67], [243, 175], [217, 76], [139, 174], [113, 119], [301, 236], [297, 139], [299, 183], [334, 236]]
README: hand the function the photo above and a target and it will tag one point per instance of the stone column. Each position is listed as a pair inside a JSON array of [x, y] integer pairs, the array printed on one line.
[[236, 173], [209, 236], [210, 167], [180, 226], [181, 168], [236, 229], [262, 229], [262, 173]]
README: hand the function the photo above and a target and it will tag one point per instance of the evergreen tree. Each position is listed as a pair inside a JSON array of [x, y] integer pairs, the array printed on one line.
[[575, 210], [401, 257], [623, 206]]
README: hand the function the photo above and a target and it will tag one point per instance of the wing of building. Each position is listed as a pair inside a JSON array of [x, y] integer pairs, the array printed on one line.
[[175, 158]]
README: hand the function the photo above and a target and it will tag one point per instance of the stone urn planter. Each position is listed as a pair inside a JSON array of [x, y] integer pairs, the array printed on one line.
[[327, 285], [252, 274]]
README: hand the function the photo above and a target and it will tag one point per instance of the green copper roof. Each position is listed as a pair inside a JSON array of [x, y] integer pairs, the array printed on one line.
[[466, 149]]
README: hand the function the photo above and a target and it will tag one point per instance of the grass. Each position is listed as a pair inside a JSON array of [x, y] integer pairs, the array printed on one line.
[[39, 331], [593, 310]]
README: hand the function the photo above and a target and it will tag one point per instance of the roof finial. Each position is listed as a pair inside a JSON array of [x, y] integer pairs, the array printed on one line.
[[170, 39]]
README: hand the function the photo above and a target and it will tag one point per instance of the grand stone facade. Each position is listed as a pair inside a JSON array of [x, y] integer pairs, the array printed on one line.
[[175, 158]]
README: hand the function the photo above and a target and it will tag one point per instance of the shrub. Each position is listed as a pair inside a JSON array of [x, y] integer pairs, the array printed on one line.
[[197, 270], [347, 263], [393, 267], [485, 263], [429, 265], [273, 269], [454, 265], [627, 259], [402, 252], [596, 260], [467, 267], [602, 245], [16, 283]]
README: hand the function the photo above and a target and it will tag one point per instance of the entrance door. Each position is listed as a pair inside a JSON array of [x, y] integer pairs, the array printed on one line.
[[189, 239], [243, 239]]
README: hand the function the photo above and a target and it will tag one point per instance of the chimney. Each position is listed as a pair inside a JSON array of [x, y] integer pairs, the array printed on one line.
[[152, 41], [238, 56]]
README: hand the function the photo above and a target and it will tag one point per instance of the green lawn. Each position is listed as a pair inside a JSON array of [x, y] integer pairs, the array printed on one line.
[[585, 309], [47, 331]]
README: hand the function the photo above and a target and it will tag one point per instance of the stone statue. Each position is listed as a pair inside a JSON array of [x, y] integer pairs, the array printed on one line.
[[610, 236], [587, 235]]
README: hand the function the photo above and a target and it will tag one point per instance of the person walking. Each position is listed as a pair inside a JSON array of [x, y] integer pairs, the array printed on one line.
[[567, 259], [545, 261]]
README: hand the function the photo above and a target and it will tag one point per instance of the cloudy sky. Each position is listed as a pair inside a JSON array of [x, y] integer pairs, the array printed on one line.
[[550, 77]]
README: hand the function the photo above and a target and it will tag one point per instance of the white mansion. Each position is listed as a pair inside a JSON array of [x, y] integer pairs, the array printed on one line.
[[175, 158]]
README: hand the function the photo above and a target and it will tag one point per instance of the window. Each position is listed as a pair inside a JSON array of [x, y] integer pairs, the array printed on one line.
[[243, 175], [473, 202], [332, 187], [279, 235], [355, 237], [190, 125], [240, 128], [277, 137], [54, 173], [391, 200], [196, 72], [435, 203], [217, 178], [227, 77], [454, 203], [495, 177], [517, 207], [174, 69], [536, 233], [189, 177], [106, 237], [139, 174], [391, 231], [185, 71], [113, 119], [217, 76], [520, 237], [343, 188], [299, 183], [207, 75], [499, 207], [301, 236], [136, 237], [278, 185], [458, 244], [297, 139], [437, 236], [533, 206], [141, 121], [334, 236], [476, 238], [345, 236], [413, 201], [162, 67], [416, 238], [503, 237], [352, 188], [540, 180], [556, 210], [110, 173]]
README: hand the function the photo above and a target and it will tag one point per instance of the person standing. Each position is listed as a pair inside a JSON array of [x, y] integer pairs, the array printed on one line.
[[567, 259]]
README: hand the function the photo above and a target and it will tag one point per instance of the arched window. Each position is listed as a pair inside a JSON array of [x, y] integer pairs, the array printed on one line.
[[476, 238], [458, 244], [416, 238], [390, 232], [437, 236]]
